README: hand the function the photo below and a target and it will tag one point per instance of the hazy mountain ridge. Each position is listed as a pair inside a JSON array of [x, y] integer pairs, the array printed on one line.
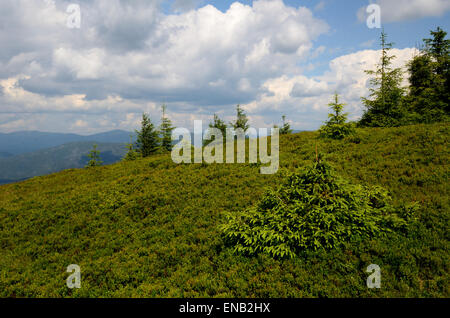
[[4, 154], [29, 141], [50, 160]]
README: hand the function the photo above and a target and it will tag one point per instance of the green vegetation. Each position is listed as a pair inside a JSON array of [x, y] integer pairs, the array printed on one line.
[[384, 107], [132, 154], [94, 157], [150, 140], [241, 121], [219, 124], [427, 98], [286, 127], [313, 209], [147, 137], [430, 80], [336, 127], [151, 228], [166, 129], [147, 227]]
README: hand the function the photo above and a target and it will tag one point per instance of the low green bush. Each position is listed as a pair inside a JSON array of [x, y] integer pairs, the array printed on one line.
[[314, 209]]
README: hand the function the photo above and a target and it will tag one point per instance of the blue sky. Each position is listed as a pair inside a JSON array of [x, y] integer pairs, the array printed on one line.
[[200, 57]]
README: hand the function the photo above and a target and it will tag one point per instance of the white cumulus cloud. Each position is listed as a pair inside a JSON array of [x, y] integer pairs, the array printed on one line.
[[406, 10]]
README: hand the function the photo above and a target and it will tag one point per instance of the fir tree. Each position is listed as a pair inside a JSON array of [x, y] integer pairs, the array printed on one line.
[[384, 107], [241, 119], [336, 127], [429, 79], [219, 124], [132, 154], [147, 137], [286, 128], [166, 129], [94, 157]]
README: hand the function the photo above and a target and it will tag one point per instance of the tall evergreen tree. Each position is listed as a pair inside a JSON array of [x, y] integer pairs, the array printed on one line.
[[147, 137], [166, 129], [384, 107], [94, 156], [422, 97], [429, 79], [241, 119], [438, 49]]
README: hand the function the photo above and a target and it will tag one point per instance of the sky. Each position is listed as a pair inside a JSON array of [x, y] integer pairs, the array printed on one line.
[[198, 57]]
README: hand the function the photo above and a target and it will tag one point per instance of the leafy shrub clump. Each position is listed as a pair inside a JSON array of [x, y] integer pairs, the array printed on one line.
[[314, 209]]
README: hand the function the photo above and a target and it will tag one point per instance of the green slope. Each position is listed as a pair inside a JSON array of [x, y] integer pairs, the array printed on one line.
[[150, 228]]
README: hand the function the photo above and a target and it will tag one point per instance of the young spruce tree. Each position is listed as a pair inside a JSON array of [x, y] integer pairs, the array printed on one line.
[[384, 107], [147, 137], [132, 154], [241, 119], [166, 129], [219, 124], [336, 127], [94, 156], [314, 209], [286, 128]]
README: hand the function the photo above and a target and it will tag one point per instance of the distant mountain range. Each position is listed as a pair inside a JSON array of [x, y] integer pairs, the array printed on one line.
[[5, 154], [28, 141], [27, 154], [46, 161]]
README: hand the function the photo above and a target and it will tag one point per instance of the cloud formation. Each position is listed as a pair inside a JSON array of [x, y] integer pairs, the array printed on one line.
[[408, 10], [309, 96], [129, 57]]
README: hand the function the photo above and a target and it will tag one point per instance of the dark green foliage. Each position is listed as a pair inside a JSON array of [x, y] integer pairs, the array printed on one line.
[[241, 119], [150, 228], [147, 137], [166, 129], [286, 127], [94, 157], [429, 80], [336, 127], [313, 209], [384, 108]]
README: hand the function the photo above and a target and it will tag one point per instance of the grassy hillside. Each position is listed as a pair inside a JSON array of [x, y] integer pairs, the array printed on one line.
[[46, 161], [150, 228]]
